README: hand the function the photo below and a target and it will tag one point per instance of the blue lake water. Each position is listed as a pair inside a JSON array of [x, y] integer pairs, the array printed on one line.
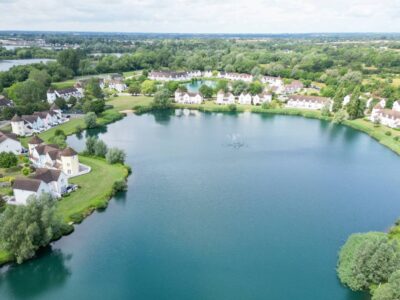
[[205, 220], [5, 65], [195, 85]]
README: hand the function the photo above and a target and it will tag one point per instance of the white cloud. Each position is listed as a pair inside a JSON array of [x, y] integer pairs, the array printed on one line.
[[253, 16]]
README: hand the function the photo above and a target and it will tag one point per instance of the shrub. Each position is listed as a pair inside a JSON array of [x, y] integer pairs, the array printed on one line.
[[396, 138], [232, 107], [388, 133], [100, 148], [8, 160], [90, 145], [115, 155], [59, 132], [78, 128], [26, 171], [119, 186], [90, 120]]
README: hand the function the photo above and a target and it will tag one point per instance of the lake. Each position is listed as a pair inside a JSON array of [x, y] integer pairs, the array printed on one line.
[[5, 65], [221, 206], [195, 85]]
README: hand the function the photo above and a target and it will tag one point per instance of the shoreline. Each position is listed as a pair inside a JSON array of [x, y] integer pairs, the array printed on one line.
[[113, 115]]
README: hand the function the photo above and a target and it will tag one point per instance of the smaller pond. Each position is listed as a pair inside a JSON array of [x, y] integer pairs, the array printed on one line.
[[5, 65], [194, 86]]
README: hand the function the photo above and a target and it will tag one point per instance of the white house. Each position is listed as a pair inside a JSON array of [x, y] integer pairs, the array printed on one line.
[[117, 85], [245, 98], [262, 98], [67, 93], [26, 124], [293, 87], [225, 98], [188, 98], [51, 156], [346, 100], [53, 182], [10, 143], [273, 81], [396, 106], [309, 102], [24, 188], [4, 102], [387, 117], [169, 76]]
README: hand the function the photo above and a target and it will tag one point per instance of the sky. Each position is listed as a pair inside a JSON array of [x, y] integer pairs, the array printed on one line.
[[202, 16]]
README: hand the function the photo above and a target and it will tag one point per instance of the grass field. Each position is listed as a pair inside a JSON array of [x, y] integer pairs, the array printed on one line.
[[122, 103], [95, 189]]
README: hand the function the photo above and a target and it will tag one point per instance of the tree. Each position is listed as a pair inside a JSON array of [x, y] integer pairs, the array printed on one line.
[[70, 59], [206, 91], [134, 88], [90, 120], [91, 142], [40, 76], [239, 87], [27, 92], [340, 116], [61, 103], [93, 89], [255, 88], [24, 229], [97, 106], [355, 108], [222, 85], [148, 87], [8, 160], [390, 290], [100, 148], [115, 155], [367, 259], [162, 100], [326, 110]]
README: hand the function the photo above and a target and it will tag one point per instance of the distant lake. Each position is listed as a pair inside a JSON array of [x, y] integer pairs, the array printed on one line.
[[195, 85], [5, 65], [221, 206]]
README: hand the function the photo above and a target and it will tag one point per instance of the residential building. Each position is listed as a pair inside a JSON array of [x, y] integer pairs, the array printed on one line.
[[67, 93], [225, 98], [51, 156], [4, 102], [245, 99], [309, 102], [346, 100], [294, 87], [9, 142], [262, 98], [53, 182], [396, 106], [188, 98], [387, 117]]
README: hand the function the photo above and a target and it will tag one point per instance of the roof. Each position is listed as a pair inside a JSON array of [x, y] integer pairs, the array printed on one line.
[[390, 113], [29, 118], [68, 152], [47, 175], [27, 184], [35, 140], [67, 91], [5, 136], [16, 118], [5, 102], [44, 149]]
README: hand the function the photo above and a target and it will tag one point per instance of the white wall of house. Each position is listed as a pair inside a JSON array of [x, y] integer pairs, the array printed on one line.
[[10, 145], [21, 196]]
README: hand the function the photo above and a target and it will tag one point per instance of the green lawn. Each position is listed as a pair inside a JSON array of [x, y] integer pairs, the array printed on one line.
[[63, 84], [122, 103], [95, 189]]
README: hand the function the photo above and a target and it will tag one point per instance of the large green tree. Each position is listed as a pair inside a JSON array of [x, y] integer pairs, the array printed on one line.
[[162, 99], [367, 259], [24, 229]]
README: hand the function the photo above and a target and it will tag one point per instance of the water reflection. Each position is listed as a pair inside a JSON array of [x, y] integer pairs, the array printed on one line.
[[163, 117], [47, 272]]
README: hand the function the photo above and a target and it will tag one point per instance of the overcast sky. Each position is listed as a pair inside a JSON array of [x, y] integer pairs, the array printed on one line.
[[202, 16]]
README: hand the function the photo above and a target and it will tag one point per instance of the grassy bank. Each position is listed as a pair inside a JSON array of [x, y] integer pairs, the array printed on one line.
[[95, 190]]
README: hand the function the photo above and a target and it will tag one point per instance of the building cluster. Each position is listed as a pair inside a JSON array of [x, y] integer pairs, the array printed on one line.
[[184, 97], [309, 102], [53, 168], [178, 76], [76, 92], [113, 81], [244, 98], [27, 125], [385, 116]]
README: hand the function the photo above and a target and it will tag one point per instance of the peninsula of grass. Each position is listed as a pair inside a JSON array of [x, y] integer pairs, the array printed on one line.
[[94, 192]]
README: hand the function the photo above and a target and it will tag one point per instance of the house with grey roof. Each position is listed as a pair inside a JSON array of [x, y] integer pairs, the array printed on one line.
[[9, 142]]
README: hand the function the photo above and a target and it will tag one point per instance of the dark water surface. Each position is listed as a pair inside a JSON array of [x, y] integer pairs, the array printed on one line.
[[203, 219]]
